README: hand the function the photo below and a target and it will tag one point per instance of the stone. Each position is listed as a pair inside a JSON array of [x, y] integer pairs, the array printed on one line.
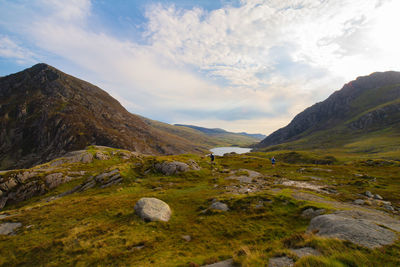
[[226, 263], [305, 251], [153, 209], [8, 228], [219, 206], [359, 202], [80, 156], [388, 207], [55, 179], [311, 213], [9, 184], [369, 194], [363, 230], [24, 176], [376, 196], [170, 168], [101, 156], [280, 262], [186, 237], [104, 177]]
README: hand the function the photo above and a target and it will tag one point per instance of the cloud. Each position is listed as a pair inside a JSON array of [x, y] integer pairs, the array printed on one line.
[[253, 65], [10, 49]]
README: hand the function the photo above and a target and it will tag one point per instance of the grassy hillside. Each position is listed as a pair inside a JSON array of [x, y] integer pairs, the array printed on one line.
[[98, 227], [207, 139]]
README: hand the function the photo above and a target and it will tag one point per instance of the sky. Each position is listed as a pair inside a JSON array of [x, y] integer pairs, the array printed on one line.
[[240, 65]]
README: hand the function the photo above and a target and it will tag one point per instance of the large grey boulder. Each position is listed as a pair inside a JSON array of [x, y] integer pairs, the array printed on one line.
[[170, 168], [280, 262], [153, 209], [362, 229], [55, 179], [8, 228], [219, 206]]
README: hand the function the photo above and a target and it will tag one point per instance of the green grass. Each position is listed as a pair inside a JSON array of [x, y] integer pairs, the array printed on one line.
[[99, 227]]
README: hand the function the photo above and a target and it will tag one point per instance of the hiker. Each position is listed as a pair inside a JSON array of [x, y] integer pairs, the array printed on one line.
[[273, 161], [212, 158]]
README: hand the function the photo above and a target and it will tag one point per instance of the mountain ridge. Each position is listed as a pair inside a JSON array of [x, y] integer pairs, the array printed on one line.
[[45, 113], [365, 104]]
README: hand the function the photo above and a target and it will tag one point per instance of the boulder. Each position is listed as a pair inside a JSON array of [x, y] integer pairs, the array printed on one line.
[[219, 206], [376, 196], [311, 213], [170, 168], [280, 262], [369, 194], [226, 263], [8, 228], [101, 156], [153, 209], [361, 229], [80, 156], [359, 202], [55, 179], [305, 251]]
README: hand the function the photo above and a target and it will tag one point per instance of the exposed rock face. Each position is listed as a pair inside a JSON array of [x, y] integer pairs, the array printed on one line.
[[153, 209], [359, 228], [304, 252], [46, 113], [365, 104]]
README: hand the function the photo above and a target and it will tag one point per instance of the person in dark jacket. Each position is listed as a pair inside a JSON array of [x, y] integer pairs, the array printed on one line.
[[273, 161], [212, 158]]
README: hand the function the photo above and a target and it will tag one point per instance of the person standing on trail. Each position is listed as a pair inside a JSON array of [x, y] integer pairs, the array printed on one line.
[[273, 161], [212, 158]]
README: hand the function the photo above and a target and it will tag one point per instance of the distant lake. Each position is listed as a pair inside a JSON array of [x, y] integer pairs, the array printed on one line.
[[220, 151]]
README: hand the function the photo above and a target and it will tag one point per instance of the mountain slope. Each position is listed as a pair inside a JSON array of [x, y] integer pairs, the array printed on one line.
[[365, 109], [45, 113], [240, 139]]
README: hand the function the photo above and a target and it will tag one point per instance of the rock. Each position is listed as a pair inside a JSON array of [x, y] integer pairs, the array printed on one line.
[[186, 237], [219, 206], [193, 165], [306, 251], [104, 177], [55, 179], [280, 262], [101, 156], [8, 228], [3, 216], [226, 263], [369, 194], [376, 196], [359, 202], [80, 156], [153, 209], [170, 168], [24, 176], [9, 184], [346, 226], [388, 207], [311, 213]]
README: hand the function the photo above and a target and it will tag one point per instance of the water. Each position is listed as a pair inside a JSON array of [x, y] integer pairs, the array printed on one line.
[[220, 151]]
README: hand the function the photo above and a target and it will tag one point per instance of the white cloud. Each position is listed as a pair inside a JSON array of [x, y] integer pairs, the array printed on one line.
[[225, 68], [10, 49]]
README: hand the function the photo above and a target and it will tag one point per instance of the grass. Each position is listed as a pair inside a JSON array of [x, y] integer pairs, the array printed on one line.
[[98, 227]]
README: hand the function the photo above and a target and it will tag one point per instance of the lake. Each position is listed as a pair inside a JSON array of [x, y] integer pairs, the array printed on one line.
[[220, 151]]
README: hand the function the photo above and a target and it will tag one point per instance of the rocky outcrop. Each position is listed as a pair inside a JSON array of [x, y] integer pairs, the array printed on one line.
[[360, 228], [153, 209], [219, 206], [175, 167]]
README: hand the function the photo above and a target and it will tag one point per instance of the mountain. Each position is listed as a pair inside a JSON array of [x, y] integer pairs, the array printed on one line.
[[240, 139], [45, 113], [363, 116]]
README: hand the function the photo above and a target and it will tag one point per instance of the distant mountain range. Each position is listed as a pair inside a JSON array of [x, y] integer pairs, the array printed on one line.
[[364, 116], [222, 132]]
